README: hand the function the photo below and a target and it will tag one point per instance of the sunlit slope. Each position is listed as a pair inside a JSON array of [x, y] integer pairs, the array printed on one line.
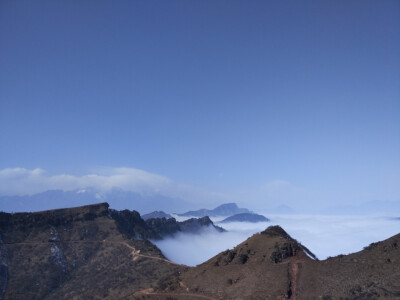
[[272, 265]]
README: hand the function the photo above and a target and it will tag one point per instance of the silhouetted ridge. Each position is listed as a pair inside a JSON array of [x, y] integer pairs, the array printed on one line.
[[77, 253], [156, 214], [193, 225], [132, 225], [164, 227], [23, 223], [227, 209], [287, 249], [277, 230]]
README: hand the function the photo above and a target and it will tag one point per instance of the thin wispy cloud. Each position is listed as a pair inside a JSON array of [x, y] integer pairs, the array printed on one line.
[[21, 181], [271, 196]]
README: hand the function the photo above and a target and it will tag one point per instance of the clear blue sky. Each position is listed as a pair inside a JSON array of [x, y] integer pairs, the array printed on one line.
[[224, 95]]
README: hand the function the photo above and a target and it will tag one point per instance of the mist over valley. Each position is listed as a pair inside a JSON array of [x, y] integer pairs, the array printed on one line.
[[218, 150], [325, 235]]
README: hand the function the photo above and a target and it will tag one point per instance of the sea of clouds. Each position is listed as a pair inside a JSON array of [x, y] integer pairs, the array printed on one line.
[[323, 235]]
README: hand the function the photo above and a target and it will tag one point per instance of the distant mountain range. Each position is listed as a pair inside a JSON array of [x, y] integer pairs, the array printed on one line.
[[245, 217], [156, 215], [134, 226], [168, 227], [94, 252], [118, 199], [224, 210]]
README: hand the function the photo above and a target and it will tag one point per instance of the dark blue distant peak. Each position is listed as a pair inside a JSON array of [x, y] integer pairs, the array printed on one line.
[[246, 217], [224, 210]]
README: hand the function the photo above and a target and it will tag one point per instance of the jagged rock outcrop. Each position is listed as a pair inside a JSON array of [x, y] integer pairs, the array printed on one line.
[[163, 227], [80, 253], [132, 225], [193, 225], [167, 227], [288, 249]]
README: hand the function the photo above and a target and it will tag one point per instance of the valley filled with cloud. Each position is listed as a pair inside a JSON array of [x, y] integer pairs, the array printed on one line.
[[322, 234]]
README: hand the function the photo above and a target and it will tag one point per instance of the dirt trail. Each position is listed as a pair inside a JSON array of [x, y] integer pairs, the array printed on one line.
[[135, 253], [293, 264], [144, 292], [294, 270]]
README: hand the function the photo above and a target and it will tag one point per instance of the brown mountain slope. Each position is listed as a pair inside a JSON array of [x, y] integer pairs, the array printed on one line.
[[271, 265], [256, 268], [369, 274], [91, 252], [75, 253]]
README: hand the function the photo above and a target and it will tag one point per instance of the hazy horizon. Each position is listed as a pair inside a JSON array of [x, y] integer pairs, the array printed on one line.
[[127, 188], [258, 103]]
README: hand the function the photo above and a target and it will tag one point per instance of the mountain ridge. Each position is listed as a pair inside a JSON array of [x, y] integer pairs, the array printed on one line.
[[118, 198], [83, 253], [273, 265], [156, 215], [225, 210]]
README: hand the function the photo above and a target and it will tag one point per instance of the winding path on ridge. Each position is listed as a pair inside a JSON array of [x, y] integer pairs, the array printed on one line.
[[135, 253], [293, 265], [144, 292]]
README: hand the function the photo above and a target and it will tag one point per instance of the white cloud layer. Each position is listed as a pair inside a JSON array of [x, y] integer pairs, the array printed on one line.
[[271, 196], [21, 181], [194, 249], [323, 235]]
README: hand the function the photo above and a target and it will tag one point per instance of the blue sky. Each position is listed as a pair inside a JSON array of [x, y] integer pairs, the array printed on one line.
[[227, 96]]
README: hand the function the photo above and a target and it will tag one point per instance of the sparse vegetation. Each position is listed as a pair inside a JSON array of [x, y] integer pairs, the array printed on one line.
[[82, 253]]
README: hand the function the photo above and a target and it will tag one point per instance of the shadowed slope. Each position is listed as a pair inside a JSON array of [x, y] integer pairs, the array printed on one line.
[[77, 252], [83, 253]]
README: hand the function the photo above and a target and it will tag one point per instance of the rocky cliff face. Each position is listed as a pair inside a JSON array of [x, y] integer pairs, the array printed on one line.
[[168, 227], [86, 252], [81, 252], [132, 225], [92, 252], [163, 227], [194, 225]]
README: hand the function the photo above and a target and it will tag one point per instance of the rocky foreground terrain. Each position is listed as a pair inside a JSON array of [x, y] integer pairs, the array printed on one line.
[[94, 252]]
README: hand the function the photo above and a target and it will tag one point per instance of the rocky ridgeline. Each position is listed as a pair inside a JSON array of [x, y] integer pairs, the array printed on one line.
[[169, 227], [94, 252], [79, 224], [78, 252]]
